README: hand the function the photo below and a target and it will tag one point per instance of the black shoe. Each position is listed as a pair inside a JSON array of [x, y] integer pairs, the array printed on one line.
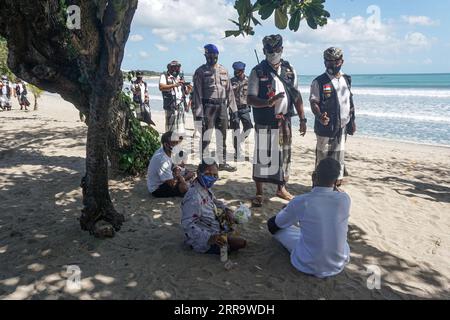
[[227, 167]]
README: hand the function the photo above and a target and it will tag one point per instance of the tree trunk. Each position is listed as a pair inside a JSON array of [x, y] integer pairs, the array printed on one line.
[[35, 103], [96, 199], [84, 67]]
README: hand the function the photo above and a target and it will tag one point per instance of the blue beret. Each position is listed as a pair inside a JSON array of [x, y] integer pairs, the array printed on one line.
[[239, 65], [210, 48]]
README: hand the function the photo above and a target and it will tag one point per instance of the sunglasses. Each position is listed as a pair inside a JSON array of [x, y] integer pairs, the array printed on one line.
[[272, 50]]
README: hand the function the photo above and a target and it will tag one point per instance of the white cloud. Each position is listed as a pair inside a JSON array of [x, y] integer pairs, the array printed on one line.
[[136, 38], [363, 42], [198, 36], [161, 47], [169, 35], [417, 39], [420, 20], [144, 55], [196, 17], [428, 61]]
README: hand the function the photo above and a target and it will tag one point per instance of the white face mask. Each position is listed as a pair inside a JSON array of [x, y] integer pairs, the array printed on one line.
[[274, 58]]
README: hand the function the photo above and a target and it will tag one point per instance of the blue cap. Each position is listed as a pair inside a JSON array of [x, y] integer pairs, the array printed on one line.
[[210, 48], [239, 65]]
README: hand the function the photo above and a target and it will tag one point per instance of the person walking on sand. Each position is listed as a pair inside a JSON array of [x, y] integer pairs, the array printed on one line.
[[5, 94], [334, 110], [273, 94], [319, 246], [21, 93]]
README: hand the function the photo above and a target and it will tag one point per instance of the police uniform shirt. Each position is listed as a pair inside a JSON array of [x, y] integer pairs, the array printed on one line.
[[343, 94], [212, 83], [281, 106], [240, 88]]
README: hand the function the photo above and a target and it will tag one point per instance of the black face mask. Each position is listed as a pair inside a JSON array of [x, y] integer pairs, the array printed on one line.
[[169, 147], [332, 68], [212, 60]]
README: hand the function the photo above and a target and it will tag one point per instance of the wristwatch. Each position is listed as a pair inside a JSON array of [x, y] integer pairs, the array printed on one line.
[[304, 120]]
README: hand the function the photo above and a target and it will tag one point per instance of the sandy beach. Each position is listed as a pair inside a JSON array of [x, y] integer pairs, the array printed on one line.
[[400, 222]]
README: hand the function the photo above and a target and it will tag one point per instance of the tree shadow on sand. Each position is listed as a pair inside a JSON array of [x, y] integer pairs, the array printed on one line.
[[39, 239]]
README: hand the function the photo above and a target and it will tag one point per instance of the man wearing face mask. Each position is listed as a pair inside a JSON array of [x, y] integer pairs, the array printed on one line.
[[212, 97], [332, 104], [174, 92], [164, 179], [273, 94], [203, 215], [240, 87]]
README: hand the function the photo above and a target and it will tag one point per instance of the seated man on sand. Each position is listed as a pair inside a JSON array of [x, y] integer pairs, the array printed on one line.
[[205, 220], [164, 178], [319, 246]]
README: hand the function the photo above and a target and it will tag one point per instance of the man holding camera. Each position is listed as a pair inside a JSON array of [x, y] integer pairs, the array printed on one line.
[[174, 90]]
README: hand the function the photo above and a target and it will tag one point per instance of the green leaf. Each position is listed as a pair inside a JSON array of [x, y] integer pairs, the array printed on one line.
[[230, 33], [294, 23], [281, 19]]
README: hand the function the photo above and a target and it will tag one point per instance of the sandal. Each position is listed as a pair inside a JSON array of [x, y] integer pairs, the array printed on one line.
[[257, 201]]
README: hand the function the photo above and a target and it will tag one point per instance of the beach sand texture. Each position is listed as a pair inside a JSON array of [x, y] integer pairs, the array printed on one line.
[[400, 223]]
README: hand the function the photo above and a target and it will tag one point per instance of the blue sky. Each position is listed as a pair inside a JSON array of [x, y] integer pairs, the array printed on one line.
[[384, 36]]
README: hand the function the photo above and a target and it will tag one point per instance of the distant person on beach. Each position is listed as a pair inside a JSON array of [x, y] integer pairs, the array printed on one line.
[[21, 93], [319, 246], [213, 95], [164, 178], [205, 220], [240, 87], [273, 94], [141, 97], [174, 91], [5, 94], [332, 104]]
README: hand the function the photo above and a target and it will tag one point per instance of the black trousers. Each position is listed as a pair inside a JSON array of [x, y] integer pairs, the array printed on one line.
[[246, 120], [215, 117]]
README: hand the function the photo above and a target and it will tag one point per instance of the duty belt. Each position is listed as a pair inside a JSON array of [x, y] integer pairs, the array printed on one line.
[[214, 101]]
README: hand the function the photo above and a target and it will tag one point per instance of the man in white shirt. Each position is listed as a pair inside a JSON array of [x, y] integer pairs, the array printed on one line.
[[6, 91], [174, 91], [332, 104], [164, 179], [319, 246]]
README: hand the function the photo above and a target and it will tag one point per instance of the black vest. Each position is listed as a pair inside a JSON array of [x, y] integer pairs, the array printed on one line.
[[169, 99], [266, 115], [329, 103]]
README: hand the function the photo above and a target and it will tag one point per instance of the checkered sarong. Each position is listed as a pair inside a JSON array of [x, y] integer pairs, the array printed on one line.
[[272, 160], [331, 148], [175, 121]]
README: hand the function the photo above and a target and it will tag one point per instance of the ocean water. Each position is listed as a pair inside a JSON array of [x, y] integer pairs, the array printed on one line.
[[404, 107]]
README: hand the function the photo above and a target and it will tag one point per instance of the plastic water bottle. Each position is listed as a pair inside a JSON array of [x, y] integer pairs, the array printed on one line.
[[224, 253]]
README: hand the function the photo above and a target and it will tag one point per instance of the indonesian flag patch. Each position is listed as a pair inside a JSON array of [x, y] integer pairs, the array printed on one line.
[[327, 89]]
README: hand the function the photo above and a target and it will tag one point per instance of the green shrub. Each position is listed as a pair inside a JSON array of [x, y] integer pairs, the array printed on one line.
[[144, 142]]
